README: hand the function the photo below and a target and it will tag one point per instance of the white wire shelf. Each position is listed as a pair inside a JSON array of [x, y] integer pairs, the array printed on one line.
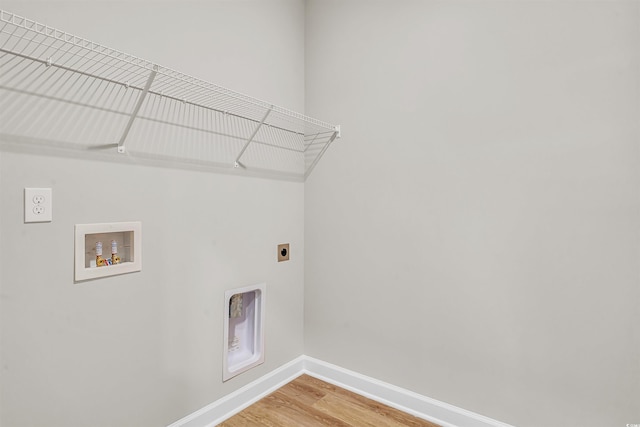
[[59, 90]]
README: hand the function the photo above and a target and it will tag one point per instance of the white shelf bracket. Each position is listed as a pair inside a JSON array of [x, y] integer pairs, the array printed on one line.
[[253, 135], [336, 134], [135, 111]]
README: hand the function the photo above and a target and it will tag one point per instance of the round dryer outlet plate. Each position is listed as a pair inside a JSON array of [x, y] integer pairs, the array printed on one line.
[[283, 252]]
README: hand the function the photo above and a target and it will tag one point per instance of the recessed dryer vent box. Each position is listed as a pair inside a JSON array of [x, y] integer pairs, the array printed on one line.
[[244, 316], [107, 249]]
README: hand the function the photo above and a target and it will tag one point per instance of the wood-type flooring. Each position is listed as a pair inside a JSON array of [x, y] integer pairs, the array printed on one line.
[[309, 402]]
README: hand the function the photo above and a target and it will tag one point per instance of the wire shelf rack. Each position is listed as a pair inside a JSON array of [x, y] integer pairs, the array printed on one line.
[[57, 89]]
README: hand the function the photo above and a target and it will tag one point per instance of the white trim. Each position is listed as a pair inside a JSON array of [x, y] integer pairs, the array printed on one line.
[[229, 405], [441, 413], [424, 407]]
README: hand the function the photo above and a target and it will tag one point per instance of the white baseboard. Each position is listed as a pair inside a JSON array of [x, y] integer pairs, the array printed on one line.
[[424, 407], [441, 413], [224, 408]]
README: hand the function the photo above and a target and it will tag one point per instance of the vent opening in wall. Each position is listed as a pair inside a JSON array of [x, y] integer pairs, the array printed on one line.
[[243, 329]]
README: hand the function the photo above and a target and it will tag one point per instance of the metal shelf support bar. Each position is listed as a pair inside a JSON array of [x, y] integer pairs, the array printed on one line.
[[135, 111], [336, 134], [253, 135]]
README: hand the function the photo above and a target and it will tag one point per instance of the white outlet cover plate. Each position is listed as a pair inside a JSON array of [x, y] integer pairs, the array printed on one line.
[[38, 205]]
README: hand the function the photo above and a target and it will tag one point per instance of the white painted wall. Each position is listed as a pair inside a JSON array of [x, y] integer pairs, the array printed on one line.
[[475, 235], [145, 349]]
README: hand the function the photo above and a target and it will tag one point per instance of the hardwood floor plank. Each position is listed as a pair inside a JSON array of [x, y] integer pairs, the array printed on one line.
[[278, 410], [303, 391], [310, 402], [351, 414], [393, 416], [297, 411]]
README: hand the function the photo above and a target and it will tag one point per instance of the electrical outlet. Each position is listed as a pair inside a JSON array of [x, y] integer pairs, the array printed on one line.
[[38, 205], [283, 252]]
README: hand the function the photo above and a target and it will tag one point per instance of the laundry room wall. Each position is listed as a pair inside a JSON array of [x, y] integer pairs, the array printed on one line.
[[145, 349], [475, 234]]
